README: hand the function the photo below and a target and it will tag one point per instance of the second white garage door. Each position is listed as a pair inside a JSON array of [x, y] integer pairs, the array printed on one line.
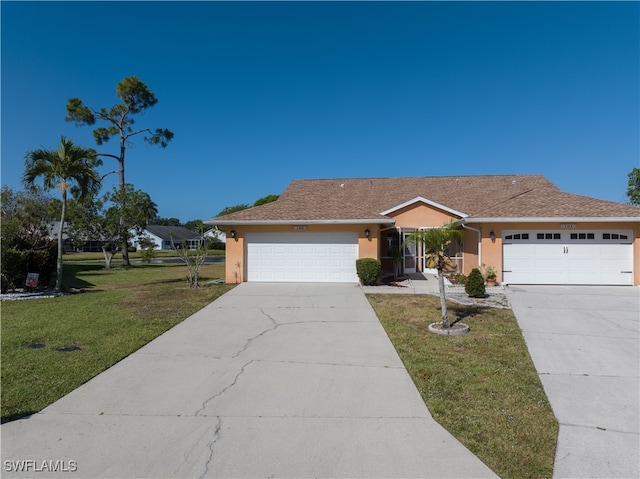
[[568, 257], [302, 257]]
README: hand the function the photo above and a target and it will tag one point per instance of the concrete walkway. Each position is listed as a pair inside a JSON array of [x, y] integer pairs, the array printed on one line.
[[423, 283], [270, 380], [585, 345]]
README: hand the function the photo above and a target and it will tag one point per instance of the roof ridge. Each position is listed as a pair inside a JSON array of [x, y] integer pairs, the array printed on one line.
[[503, 175]]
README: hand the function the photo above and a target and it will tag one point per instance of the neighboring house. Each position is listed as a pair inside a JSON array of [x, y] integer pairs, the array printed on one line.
[[523, 225], [215, 234], [86, 247], [167, 237]]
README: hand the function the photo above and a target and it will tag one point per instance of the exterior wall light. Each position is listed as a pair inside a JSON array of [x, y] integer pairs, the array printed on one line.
[[492, 235], [233, 233], [367, 233]]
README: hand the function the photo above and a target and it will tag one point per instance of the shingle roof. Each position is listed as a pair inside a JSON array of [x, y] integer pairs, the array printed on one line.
[[167, 233], [364, 199]]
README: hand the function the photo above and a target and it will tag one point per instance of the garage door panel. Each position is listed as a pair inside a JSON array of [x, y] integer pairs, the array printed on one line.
[[584, 264], [302, 257], [565, 260]]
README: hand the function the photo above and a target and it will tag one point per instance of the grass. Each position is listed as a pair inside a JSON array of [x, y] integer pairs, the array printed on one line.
[[119, 312], [73, 257], [483, 388]]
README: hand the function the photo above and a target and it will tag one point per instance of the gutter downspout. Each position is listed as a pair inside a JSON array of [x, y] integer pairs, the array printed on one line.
[[479, 242]]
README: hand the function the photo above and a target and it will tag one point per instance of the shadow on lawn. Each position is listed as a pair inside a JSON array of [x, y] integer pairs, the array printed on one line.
[[72, 270], [461, 312]]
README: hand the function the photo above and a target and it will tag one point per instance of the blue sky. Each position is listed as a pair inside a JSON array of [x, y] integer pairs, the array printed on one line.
[[261, 93]]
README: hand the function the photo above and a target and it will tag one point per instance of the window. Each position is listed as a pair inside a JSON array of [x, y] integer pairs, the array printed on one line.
[[523, 236], [548, 236], [583, 236], [614, 236]]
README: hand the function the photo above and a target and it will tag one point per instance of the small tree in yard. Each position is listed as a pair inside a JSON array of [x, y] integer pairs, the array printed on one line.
[[194, 259], [436, 242], [147, 246], [100, 219]]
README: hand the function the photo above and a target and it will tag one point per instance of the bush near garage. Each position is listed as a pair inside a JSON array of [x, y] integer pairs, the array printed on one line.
[[368, 270], [475, 284]]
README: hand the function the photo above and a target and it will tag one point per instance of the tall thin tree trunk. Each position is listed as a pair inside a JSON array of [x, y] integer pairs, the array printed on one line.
[[58, 285], [123, 230], [443, 300]]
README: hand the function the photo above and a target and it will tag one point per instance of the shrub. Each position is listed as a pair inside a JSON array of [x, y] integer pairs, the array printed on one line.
[[147, 246], [368, 270], [17, 263], [475, 284]]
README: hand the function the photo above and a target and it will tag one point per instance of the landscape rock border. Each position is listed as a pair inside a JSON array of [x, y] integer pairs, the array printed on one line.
[[457, 329]]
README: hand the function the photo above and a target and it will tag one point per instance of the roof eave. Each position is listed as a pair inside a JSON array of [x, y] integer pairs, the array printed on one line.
[[555, 219], [358, 221]]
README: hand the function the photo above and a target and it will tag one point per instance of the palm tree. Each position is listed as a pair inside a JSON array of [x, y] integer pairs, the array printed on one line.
[[436, 241], [70, 167]]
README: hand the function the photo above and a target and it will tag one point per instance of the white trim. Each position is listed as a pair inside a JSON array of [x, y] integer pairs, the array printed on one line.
[[555, 219], [421, 199], [301, 222]]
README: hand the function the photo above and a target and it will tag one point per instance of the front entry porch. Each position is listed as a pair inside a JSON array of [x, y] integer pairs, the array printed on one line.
[[401, 257]]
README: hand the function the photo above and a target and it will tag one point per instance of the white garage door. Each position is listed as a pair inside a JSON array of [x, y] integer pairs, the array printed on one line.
[[302, 257], [568, 257]]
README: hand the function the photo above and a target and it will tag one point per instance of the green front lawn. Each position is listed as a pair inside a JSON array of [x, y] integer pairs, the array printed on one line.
[[483, 387], [120, 311], [73, 257]]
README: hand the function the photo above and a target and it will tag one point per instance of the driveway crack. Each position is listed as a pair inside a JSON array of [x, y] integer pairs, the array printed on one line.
[[224, 390], [216, 436], [250, 340]]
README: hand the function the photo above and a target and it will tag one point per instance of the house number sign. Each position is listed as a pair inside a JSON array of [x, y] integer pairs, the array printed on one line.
[[299, 228], [568, 227]]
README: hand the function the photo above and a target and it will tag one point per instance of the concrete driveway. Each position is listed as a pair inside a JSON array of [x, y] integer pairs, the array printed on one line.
[[585, 345], [270, 380]]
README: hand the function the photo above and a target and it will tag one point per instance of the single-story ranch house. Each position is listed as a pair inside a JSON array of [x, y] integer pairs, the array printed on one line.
[[167, 237], [530, 231]]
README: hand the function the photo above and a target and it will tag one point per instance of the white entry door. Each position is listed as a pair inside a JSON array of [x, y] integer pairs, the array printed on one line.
[[568, 257], [302, 257]]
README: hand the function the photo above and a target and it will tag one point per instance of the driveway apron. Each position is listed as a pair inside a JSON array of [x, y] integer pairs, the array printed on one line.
[[270, 380], [585, 345]]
